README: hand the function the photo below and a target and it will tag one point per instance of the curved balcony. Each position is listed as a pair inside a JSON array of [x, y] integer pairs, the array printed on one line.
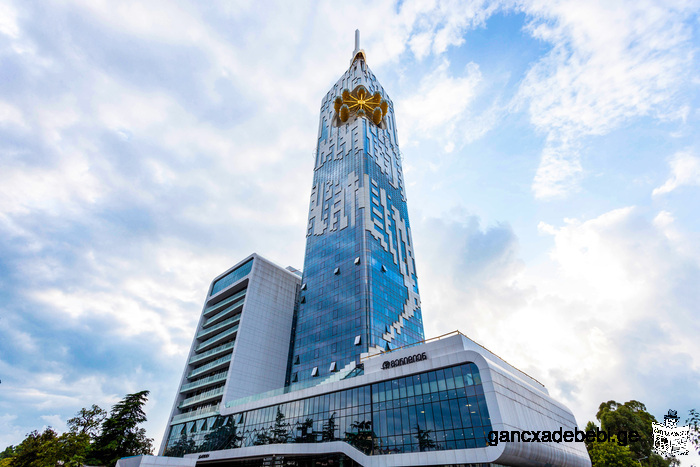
[[218, 363], [204, 382], [210, 394], [222, 325], [209, 343], [214, 308], [212, 352], [196, 414], [234, 308]]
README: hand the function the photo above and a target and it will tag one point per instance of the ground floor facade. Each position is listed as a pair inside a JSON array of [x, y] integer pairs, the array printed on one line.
[[429, 404]]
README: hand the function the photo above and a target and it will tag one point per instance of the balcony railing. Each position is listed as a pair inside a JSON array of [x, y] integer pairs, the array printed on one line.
[[210, 309], [221, 325], [196, 414], [216, 338], [209, 366], [222, 313], [201, 397], [199, 357], [213, 379]]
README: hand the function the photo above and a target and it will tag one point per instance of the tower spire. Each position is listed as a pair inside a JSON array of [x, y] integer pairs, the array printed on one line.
[[358, 52]]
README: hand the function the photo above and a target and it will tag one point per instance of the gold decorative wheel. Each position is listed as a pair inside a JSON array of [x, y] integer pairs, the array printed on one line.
[[361, 103]]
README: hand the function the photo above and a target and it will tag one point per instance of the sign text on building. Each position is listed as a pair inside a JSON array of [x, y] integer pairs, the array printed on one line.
[[419, 357]]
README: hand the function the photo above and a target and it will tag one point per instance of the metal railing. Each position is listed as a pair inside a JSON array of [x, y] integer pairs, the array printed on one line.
[[449, 334], [201, 397], [223, 324], [209, 366], [204, 381], [183, 417], [223, 312], [217, 338], [214, 351], [222, 303]]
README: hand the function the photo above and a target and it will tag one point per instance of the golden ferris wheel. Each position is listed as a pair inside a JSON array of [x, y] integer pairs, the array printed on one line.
[[359, 102]]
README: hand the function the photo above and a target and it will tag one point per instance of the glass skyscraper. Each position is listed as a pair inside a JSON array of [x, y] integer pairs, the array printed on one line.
[[359, 289], [317, 368]]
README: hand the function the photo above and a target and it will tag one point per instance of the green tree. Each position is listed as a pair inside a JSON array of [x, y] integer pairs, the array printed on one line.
[[69, 449], [610, 454], [8, 452], [88, 421], [630, 416], [121, 435], [590, 426], [36, 450]]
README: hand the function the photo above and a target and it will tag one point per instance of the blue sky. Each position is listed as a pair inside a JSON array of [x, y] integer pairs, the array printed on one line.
[[550, 150]]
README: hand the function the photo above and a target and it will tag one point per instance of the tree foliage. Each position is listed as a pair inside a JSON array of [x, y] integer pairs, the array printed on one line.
[[8, 452], [610, 454], [120, 435], [88, 421], [93, 438], [630, 416]]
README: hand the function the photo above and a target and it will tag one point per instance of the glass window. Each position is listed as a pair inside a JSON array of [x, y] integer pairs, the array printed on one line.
[[449, 379], [442, 385], [437, 415], [446, 417], [233, 276]]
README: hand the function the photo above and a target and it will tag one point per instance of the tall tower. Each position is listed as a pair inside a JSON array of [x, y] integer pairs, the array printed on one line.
[[359, 290]]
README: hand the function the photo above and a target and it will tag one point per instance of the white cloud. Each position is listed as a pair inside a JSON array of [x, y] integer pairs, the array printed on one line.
[[440, 99], [8, 20], [56, 422], [11, 115], [559, 170], [685, 171], [617, 297], [11, 433], [441, 109], [610, 62]]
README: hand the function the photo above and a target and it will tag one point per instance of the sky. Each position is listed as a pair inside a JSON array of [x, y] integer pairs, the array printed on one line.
[[550, 151]]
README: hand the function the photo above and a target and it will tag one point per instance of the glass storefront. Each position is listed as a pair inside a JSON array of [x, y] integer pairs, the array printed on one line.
[[436, 410]]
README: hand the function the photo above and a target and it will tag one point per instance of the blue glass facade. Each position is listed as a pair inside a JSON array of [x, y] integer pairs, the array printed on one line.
[[360, 290], [233, 276], [435, 410]]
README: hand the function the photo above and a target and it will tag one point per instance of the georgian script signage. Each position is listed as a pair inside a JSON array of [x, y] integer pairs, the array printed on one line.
[[419, 357]]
